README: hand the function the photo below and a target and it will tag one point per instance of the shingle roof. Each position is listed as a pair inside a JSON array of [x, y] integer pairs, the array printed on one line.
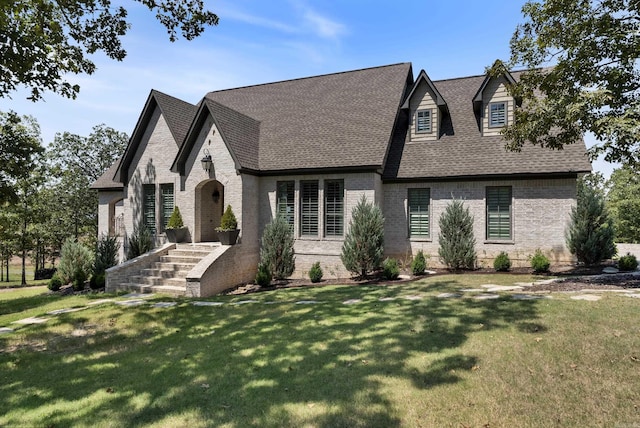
[[330, 121], [106, 181], [462, 151]]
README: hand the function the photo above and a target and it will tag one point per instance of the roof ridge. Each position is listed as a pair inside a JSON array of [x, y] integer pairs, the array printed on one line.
[[209, 100]]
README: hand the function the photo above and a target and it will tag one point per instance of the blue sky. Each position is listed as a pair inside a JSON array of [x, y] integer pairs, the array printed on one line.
[[260, 42]]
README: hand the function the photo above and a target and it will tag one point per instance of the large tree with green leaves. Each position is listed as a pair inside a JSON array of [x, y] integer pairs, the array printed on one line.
[[623, 200], [594, 84], [43, 41]]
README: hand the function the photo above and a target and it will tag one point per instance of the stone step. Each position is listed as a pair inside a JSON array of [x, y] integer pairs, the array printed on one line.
[[157, 280], [189, 253], [172, 290], [177, 267], [166, 271], [180, 259]]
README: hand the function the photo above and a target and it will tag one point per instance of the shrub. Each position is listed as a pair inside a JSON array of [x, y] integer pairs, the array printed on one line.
[[502, 263], [175, 221], [106, 253], [628, 262], [140, 242], [315, 273], [263, 277], [390, 269], [590, 232], [55, 283], [457, 243], [76, 261], [97, 281], [277, 248], [79, 279], [228, 220], [363, 245], [419, 264], [45, 273], [540, 262]]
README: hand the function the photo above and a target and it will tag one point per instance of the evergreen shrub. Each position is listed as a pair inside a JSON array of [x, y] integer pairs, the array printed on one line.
[[76, 262], [315, 273], [540, 262], [228, 220], [628, 262], [419, 264], [55, 283], [457, 243], [363, 245], [390, 269], [277, 248], [263, 277], [502, 263], [140, 242], [175, 221]]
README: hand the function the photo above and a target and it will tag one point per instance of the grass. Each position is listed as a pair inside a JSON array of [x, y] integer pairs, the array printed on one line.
[[275, 363], [15, 276]]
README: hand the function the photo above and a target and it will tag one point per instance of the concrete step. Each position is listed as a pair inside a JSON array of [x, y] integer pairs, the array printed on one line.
[[158, 280], [172, 290], [180, 259], [176, 267]]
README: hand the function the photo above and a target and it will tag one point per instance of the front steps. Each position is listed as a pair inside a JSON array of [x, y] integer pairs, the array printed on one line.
[[168, 276]]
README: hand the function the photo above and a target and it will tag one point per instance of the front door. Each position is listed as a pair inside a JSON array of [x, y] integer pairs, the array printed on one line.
[[211, 208]]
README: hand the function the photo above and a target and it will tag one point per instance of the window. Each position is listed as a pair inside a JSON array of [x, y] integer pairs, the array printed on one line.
[[149, 207], [499, 212], [166, 195], [419, 212], [309, 208], [285, 201], [423, 121], [333, 207], [497, 114]]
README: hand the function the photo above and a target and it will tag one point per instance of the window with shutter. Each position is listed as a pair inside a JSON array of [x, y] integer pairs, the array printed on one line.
[[333, 207], [499, 212], [419, 212], [423, 121], [149, 207], [309, 208], [285, 201], [166, 194], [497, 114]]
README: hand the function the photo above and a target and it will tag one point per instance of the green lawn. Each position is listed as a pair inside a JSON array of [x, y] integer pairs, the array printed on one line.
[[15, 277], [411, 363]]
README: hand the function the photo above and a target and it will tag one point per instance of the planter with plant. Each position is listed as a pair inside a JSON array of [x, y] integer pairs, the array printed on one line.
[[175, 230], [228, 231]]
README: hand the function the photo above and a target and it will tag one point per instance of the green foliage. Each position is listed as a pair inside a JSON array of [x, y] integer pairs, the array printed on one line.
[[42, 56], [590, 232], [228, 220], [628, 262], [277, 248], [592, 86], [364, 243], [540, 262], [315, 273], [502, 263], [623, 200], [106, 253], [263, 277], [97, 281], [55, 283], [140, 242], [457, 243], [175, 221], [76, 262], [79, 279], [390, 269], [419, 264]]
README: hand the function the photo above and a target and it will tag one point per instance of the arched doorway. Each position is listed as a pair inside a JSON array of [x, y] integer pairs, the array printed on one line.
[[209, 208]]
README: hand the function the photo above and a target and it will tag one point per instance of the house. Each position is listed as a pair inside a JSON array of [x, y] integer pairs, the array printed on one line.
[[309, 149]]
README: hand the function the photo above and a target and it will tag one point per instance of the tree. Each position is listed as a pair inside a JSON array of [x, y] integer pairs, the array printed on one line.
[[45, 40], [590, 232], [623, 200], [19, 142], [594, 85], [277, 252], [363, 245], [456, 240]]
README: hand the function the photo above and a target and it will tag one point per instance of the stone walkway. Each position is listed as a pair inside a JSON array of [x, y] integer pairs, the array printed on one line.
[[484, 292]]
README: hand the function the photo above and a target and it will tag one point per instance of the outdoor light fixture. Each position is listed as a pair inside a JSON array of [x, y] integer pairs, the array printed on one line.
[[206, 161]]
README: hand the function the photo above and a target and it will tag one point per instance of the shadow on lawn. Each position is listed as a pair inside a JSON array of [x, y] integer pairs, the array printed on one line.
[[326, 364]]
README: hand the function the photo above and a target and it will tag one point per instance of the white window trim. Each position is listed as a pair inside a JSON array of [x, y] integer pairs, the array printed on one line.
[[506, 119], [430, 129]]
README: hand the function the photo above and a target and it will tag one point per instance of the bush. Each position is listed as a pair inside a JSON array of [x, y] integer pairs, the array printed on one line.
[[315, 273], [628, 262], [419, 264], [390, 269], [277, 248], [364, 243], [175, 221], [106, 253], [140, 242], [502, 263], [98, 281], [263, 277], [45, 273], [76, 262], [79, 279], [540, 262], [457, 243], [590, 232], [55, 283], [228, 220]]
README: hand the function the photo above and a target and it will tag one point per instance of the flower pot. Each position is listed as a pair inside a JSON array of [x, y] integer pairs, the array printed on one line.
[[228, 237], [176, 235]]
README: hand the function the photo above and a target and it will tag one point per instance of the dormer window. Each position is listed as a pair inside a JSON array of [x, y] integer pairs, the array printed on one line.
[[497, 114], [423, 121]]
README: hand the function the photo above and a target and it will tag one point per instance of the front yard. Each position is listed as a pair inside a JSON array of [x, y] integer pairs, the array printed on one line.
[[375, 355]]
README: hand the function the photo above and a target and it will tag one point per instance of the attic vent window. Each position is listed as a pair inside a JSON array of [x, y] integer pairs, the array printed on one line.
[[497, 114], [423, 121]]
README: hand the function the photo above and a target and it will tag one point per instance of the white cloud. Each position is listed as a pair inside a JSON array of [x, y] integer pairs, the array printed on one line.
[[323, 26]]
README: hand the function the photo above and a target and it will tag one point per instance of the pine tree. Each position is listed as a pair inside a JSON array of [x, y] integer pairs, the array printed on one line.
[[364, 243], [277, 252], [590, 232], [457, 243]]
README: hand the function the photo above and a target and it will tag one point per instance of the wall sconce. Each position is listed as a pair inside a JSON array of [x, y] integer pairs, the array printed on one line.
[[216, 196], [206, 161]]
